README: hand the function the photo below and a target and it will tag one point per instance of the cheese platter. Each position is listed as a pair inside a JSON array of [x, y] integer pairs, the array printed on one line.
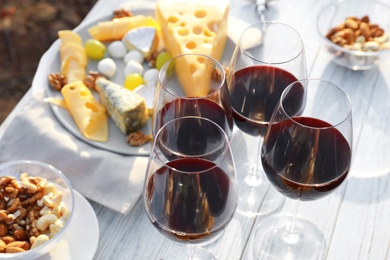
[[116, 138]]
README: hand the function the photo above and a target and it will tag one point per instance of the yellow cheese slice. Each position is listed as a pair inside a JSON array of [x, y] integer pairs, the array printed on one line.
[[73, 70], [73, 56], [67, 36], [194, 27], [117, 28], [75, 50], [56, 101], [89, 115]]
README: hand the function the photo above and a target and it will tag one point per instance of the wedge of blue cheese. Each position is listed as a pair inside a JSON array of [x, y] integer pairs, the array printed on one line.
[[126, 108]]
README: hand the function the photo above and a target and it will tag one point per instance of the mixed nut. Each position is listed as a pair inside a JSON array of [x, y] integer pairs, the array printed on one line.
[[31, 212], [359, 34]]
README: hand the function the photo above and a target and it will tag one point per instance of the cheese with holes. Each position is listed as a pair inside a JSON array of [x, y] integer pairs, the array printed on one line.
[[126, 108], [73, 56], [89, 115], [194, 27], [118, 27]]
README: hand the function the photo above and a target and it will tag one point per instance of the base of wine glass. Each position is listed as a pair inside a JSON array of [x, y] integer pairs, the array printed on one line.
[[190, 252], [274, 238]]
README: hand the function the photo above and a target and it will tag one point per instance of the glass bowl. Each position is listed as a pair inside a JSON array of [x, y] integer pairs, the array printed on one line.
[[60, 182], [355, 56]]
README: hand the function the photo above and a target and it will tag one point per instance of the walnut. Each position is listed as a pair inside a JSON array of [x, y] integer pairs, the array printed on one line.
[[226, 69], [138, 138], [122, 13], [90, 79], [57, 81], [151, 59], [216, 75]]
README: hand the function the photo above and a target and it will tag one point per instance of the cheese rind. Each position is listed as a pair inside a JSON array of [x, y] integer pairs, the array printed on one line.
[[126, 108], [143, 39], [88, 114], [195, 28]]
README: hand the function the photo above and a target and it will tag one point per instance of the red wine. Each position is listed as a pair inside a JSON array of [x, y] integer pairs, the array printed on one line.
[[305, 163], [192, 204], [254, 93], [191, 137], [208, 108]]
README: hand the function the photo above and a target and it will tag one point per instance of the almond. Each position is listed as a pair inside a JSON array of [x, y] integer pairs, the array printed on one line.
[[377, 32], [365, 30], [12, 250], [349, 35], [351, 23], [365, 19]]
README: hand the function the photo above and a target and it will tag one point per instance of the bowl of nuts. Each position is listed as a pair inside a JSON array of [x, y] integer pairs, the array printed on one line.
[[36, 207], [356, 32]]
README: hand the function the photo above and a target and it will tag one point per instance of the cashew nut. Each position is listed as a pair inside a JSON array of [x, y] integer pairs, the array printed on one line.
[[52, 201], [39, 240], [45, 221], [60, 209], [45, 210], [50, 188], [57, 226]]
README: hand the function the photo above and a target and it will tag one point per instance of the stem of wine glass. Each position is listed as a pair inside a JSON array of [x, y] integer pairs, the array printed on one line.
[[254, 178], [195, 252], [291, 237], [190, 251]]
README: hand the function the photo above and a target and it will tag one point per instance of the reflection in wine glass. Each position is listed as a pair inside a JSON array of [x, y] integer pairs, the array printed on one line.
[[190, 191], [268, 57], [306, 155], [192, 85]]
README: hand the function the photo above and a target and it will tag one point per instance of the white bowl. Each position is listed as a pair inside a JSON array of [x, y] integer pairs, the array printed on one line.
[[336, 13], [53, 175]]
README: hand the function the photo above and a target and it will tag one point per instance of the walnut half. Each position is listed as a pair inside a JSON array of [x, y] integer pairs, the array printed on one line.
[[57, 81], [122, 13], [90, 79], [138, 138]]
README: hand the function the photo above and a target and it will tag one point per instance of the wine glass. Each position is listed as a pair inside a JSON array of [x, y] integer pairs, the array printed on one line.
[[268, 57], [306, 155], [192, 85], [190, 191]]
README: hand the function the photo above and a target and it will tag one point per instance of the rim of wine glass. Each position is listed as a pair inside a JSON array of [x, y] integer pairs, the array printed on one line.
[[218, 64], [272, 62], [348, 115], [216, 163]]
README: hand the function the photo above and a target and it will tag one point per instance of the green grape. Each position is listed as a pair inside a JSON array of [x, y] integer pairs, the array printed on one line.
[[95, 49], [133, 80], [162, 57]]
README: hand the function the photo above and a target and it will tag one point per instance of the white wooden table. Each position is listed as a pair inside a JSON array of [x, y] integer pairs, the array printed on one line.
[[354, 220]]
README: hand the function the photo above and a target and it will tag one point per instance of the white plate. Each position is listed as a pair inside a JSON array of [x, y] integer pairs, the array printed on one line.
[[81, 240], [117, 140]]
